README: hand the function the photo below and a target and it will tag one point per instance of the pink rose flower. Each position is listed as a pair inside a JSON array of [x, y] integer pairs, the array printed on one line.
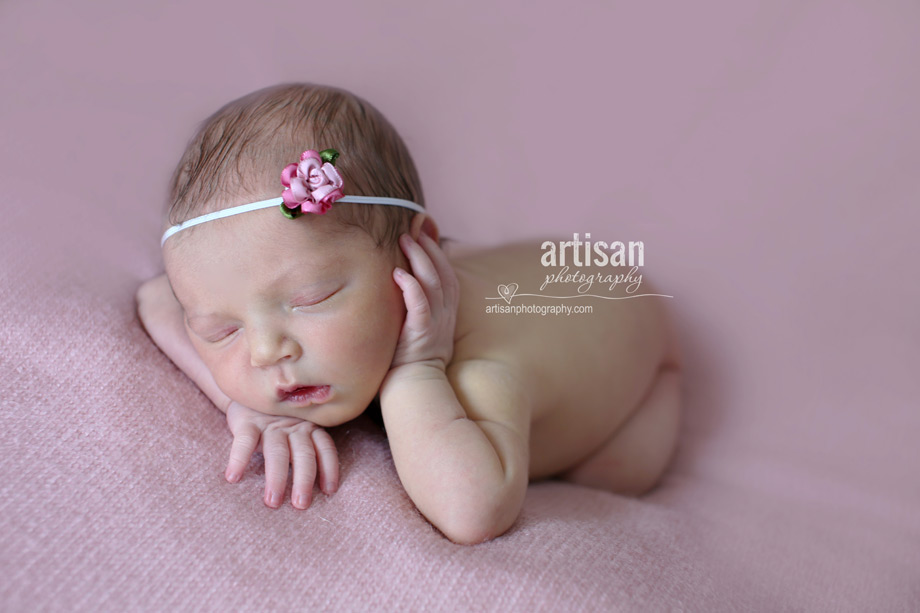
[[312, 184]]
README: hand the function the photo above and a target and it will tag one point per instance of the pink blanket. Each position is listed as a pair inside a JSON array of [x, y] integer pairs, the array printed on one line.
[[765, 153]]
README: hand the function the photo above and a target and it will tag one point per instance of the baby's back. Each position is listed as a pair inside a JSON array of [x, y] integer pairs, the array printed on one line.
[[588, 360]]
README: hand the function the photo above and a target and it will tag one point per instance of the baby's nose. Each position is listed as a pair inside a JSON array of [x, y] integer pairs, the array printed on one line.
[[268, 348]]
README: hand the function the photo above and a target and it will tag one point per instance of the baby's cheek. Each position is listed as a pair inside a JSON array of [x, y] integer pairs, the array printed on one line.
[[354, 341], [230, 378], [225, 383], [369, 343]]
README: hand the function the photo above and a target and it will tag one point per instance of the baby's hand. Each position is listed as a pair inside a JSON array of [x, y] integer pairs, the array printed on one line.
[[431, 298], [285, 441]]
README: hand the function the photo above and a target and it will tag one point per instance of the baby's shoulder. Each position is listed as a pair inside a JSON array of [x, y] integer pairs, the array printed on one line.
[[487, 339], [491, 389]]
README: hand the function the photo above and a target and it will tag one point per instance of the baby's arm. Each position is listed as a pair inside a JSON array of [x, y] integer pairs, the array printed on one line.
[[162, 317], [284, 440], [465, 465]]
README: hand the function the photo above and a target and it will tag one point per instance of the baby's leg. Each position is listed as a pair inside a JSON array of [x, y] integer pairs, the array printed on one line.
[[633, 459]]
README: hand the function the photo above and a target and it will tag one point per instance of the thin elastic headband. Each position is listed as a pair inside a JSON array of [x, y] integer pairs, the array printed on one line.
[[264, 204], [311, 185]]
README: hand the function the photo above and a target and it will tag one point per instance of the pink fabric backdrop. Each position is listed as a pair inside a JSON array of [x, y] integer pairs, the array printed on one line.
[[765, 152]]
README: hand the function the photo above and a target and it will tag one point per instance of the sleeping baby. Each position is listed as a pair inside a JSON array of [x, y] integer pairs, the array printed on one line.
[[305, 282]]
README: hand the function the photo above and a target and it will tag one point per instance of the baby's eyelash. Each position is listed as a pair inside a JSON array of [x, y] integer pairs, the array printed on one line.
[[307, 303], [222, 335]]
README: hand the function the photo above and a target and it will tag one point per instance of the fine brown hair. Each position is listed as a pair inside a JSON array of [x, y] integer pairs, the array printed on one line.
[[238, 153]]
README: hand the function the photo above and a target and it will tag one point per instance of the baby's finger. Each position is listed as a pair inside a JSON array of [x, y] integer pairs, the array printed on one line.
[[245, 440], [303, 459], [419, 310], [445, 271], [277, 460], [328, 459], [423, 269]]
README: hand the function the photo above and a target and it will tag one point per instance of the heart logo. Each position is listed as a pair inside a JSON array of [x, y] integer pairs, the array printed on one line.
[[507, 291]]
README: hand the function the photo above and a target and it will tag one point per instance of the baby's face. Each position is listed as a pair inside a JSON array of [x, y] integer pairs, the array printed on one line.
[[292, 317]]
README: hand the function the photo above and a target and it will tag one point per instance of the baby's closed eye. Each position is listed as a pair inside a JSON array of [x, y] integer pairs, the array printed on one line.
[[215, 336], [306, 301]]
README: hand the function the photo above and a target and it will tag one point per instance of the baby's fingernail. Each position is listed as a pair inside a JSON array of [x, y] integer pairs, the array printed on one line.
[[232, 477], [301, 501], [274, 499]]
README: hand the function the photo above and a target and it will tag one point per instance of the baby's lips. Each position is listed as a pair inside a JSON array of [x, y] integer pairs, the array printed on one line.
[[321, 392], [284, 392]]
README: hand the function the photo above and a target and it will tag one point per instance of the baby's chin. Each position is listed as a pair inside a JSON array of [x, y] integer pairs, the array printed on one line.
[[325, 415]]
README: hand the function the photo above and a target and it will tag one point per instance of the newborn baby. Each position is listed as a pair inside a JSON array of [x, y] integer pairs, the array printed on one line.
[[304, 280]]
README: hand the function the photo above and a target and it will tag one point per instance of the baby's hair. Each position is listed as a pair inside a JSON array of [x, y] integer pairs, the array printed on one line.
[[239, 151]]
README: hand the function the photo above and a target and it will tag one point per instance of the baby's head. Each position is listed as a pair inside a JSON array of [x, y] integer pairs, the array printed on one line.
[[239, 151], [298, 316]]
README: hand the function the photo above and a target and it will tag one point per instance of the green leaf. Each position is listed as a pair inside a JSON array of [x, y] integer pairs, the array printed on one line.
[[290, 213], [329, 155]]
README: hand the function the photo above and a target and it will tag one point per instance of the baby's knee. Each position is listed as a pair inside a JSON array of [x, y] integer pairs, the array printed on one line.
[[638, 454], [650, 436], [655, 430]]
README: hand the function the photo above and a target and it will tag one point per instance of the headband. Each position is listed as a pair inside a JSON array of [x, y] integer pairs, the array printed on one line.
[[311, 186]]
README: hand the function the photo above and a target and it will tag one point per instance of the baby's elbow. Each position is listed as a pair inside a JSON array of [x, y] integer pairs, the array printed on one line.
[[155, 301], [472, 524], [472, 533]]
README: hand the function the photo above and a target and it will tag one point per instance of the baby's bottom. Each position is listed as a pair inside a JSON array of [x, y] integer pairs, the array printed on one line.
[[633, 459]]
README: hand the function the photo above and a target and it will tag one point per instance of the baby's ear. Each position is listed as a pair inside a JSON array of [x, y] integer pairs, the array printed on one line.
[[422, 222]]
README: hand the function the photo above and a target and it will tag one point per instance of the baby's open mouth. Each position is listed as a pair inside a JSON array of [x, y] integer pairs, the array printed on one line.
[[304, 394]]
